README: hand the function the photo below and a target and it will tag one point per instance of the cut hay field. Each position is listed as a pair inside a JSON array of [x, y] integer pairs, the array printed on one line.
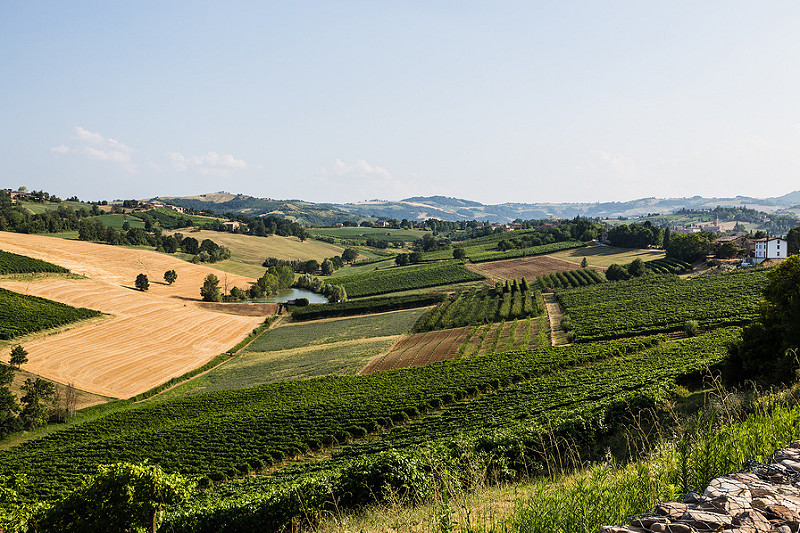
[[604, 256], [248, 252], [149, 337], [529, 267]]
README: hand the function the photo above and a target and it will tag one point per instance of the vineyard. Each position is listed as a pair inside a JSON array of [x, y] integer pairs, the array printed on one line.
[[512, 301], [21, 314], [11, 263], [668, 265], [571, 278], [510, 423], [655, 304], [221, 434], [366, 305], [405, 278]]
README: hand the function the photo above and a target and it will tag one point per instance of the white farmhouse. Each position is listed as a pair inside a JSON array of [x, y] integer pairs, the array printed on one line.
[[770, 248]]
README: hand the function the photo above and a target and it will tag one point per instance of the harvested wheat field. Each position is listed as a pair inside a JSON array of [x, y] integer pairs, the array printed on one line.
[[148, 338], [527, 267], [419, 350]]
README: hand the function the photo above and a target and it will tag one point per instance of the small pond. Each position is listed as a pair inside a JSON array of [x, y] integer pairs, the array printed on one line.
[[293, 294]]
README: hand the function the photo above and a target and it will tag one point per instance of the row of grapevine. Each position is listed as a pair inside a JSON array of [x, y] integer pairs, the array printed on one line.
[[571, 278], [510, 427], [223, 433], [366, 305], [405, 278], [476, 306], [662, 303], [668, 265], [11, 263], [21, 314]]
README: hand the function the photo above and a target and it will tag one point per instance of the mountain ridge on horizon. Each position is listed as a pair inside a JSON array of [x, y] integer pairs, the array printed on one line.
[[453, 208]]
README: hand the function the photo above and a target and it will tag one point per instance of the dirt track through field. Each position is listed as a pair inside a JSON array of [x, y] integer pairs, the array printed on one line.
[[148, 338]]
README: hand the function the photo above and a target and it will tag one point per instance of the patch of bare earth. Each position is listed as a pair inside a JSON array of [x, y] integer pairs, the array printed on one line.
[[246, 309], [148, 337], [419, 349], [526, 267], [558, 336]]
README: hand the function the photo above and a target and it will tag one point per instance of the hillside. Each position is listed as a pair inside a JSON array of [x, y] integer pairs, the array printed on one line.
[[448, 208]]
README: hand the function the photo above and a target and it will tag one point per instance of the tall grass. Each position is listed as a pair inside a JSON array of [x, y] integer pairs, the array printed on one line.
[[579, 497], [731, 430]]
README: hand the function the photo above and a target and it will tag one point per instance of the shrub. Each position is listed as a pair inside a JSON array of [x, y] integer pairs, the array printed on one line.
[[691, 327]]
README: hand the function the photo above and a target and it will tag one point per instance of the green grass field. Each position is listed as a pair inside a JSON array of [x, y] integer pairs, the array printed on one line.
[[116, 221], [603, 256], [248, 252], [394, 235], [302, 351], [37, 208], [336, 330], [251, 369]]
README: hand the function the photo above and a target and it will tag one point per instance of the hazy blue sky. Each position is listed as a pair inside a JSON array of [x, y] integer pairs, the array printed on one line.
[[345, 101]]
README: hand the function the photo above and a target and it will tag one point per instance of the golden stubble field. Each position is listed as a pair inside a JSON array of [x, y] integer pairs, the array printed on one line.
[[148, 337]]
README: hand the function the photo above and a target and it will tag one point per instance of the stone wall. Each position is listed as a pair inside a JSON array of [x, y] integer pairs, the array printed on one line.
[[763, 498]]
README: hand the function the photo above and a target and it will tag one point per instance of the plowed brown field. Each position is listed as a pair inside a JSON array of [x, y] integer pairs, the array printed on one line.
[[150, 336], [528, 267], [419, 350]]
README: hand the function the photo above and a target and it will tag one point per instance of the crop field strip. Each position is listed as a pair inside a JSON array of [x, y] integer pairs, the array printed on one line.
[[365, 306], [482, 305], [479, 253], [405, 278], [566, 279], [599, 255], [218, 432], [11, 263], [441, 345], [527, 267], [655, 304], [21, 314]]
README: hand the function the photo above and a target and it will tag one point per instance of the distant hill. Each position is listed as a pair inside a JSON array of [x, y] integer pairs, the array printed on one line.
[[447, 208]]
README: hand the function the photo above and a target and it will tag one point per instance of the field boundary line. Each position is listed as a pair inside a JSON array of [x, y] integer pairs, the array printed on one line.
[[558, 336]]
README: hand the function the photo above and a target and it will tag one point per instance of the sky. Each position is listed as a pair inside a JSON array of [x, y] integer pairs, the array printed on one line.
[[345, 101]]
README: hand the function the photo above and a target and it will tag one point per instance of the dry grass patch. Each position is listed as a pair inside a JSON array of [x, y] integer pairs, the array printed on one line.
[[527, 267], [151, 336], [604, 256]]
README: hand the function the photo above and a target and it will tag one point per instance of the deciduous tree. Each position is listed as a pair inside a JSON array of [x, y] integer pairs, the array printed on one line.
[[142, 283], [36, 402], [349, 255], [19, 356], [770, 345], [170, 276]]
